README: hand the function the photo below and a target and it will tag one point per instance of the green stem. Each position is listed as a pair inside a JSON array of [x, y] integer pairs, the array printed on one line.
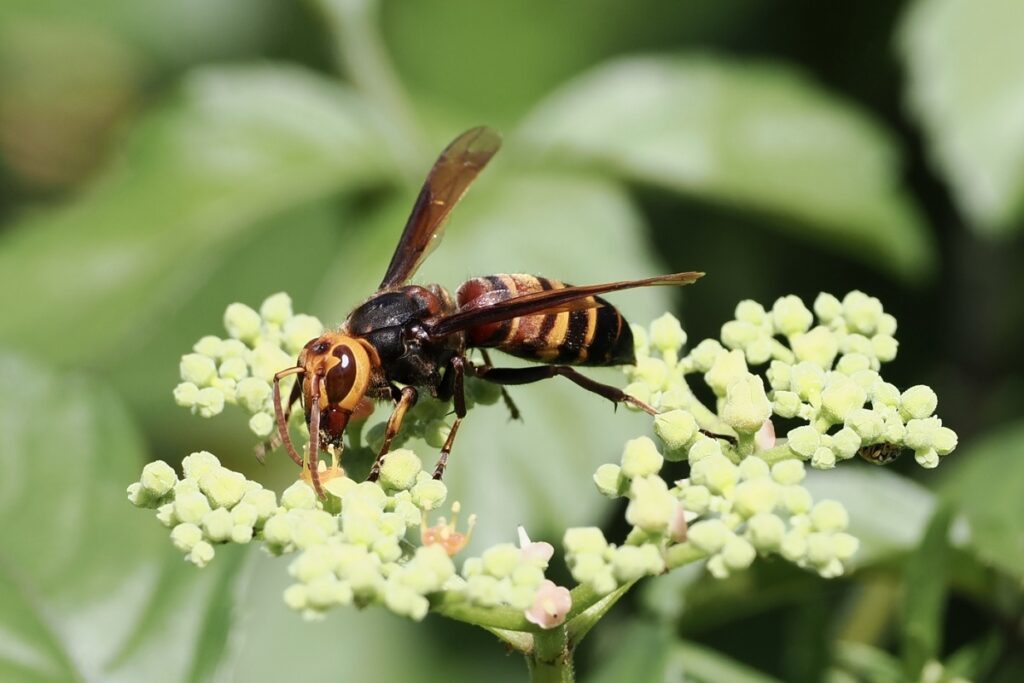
[[778, 454], [551, 658], [456, 607]]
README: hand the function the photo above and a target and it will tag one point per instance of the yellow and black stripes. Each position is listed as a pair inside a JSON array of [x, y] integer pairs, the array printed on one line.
[[591, 336]]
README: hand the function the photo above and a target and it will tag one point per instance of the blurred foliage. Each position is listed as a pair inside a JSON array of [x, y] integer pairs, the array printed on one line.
[[159, 160]]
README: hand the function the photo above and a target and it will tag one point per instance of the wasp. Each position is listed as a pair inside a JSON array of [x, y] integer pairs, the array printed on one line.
[[407, 338]]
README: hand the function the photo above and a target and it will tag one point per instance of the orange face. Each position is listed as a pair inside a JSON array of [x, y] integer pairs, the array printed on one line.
[[344, 365]]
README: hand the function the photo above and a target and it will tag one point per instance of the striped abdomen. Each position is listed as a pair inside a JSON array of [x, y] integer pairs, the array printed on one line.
[[594, 336]]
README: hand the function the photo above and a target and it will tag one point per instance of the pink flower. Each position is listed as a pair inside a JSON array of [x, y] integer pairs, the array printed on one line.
[[550, 605], [535, 552], [677, 526], [765, 437]]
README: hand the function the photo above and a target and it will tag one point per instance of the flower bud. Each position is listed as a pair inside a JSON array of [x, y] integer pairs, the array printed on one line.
[[944, 440], [728, 367], [788, 472], [587, 539], [191, 507], [753, 467], [866, 423], [705, 354], [218, 524], [830, 516], [639, 391], [920, 432], [209, 402], [703, 447], [276, 308], [766, 531], [738, 334], [796, 499], [428, 493], [918, 402], [884, 347], [640, 458], [242, 322], [807, 380], [630, 562], [709, 535], [716, 472], [819, 346], [610, 481], [201, 554], [651, 506], [186, 394], [185, 536], [400, 469], [667, 334], [845, 443], [862, 312], [790, 316], [746, 405], [197, 369], [223, 487], [786, 404], [299, 496], [738, 553], [676, 429], [778, 374], [298, 330], [823, 458], [827, 307], [927, 458], [695, 498], [751, 312], [841, 396], [652, 372], [261, 424], [253, 394], [158, 478], [209, 346], [757, 496], [803, 440]]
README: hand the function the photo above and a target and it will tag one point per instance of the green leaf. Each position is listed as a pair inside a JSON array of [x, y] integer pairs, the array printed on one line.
[[926, 584], [759, 137], [888, 513], [867, 663], [963, 60], [536, 472], [92, 588], [238, 145], [277, 644], [985, 483], [648, 653]]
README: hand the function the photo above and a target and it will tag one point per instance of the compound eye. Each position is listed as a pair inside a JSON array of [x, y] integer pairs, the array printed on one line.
[[339, 380], [321, 347]]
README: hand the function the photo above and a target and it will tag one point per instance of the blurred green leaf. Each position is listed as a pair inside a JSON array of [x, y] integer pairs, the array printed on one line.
[[985, 483], [963, 58], [888, 512], [762, 138], [236, 146], [536, 472], [866, 663], [92, 588], [277, 644], [648, 653], [926, 584]]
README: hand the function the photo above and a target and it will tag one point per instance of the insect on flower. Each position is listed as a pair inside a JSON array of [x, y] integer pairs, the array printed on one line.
[[410, 338]]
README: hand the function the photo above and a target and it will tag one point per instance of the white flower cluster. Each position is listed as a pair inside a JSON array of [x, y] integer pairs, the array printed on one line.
[[377, 549], [239, 369], [209, 505], [826, 373], [751, 508]]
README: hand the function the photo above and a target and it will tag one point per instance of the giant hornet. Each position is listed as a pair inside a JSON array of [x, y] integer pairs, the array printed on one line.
[[406, 338]]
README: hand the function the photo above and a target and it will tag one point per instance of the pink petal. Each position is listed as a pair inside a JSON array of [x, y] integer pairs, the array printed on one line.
[[550, 605], [765, 437]]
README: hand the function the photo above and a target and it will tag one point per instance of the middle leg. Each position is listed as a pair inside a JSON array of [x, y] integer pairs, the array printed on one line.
[[407, 399]]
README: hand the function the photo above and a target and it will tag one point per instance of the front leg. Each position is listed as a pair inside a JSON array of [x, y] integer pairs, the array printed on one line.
[[406, 399]]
